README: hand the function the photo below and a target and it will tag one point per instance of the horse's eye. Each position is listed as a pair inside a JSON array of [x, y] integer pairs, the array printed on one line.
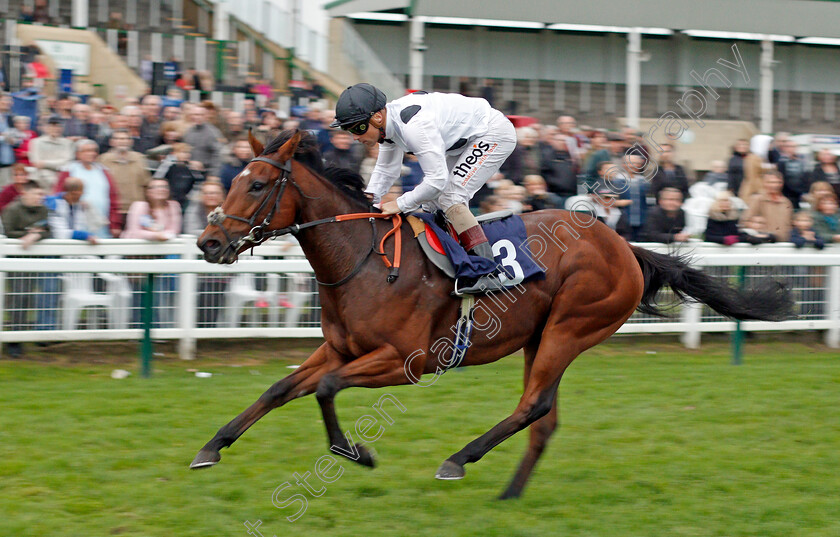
[[257, 186]]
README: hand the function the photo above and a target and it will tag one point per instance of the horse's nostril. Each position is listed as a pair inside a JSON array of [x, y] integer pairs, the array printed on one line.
[[211, 246]]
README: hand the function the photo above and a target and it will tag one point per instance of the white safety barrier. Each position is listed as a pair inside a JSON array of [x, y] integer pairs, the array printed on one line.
[[812, 276], [71, 290], [34, 289]]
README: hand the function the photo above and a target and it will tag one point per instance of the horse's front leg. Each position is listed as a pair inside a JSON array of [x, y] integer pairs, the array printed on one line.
[[382, 367], [302, 382]]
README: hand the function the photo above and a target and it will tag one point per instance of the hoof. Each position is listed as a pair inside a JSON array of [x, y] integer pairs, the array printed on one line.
[[365, 457], [450, 471], [205, 459], [510, 495]]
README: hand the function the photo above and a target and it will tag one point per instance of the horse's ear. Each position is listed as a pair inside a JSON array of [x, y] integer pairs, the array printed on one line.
[[256, 146], [287, 150]]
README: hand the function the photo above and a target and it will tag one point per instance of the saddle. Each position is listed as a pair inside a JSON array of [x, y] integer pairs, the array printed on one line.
[[431, 244]]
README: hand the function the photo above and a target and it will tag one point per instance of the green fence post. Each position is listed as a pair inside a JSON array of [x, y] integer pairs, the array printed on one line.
[[738, 335], [221, 50], [146, 349]]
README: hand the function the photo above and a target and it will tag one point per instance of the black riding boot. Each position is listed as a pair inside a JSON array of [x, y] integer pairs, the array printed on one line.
[[488, 283]]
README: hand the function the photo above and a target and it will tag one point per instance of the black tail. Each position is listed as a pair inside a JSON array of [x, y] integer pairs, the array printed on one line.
[[771, 302]]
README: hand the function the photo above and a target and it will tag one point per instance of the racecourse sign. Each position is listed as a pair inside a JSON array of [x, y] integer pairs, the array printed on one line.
[[67, 55]]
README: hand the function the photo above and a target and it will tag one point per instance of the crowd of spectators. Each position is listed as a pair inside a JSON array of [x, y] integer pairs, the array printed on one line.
[[762, 194], [120, 159], [123, 157], [80, 168], [77, 167]]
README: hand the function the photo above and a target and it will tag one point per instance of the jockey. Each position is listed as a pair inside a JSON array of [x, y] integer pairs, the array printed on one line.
[[459, 142]]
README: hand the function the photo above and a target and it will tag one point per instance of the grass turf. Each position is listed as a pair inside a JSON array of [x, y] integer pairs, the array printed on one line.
[[676, 443]]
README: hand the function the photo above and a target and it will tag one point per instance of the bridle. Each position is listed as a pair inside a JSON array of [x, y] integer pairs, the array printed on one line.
[[258, 234]]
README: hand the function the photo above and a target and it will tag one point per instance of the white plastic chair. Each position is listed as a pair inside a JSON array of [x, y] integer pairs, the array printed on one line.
[[79, 295], [242, 291], [298, 296], [118, 288]]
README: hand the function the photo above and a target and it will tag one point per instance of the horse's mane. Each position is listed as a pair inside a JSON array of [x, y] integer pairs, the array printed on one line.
[[349, 182], [307, 153]]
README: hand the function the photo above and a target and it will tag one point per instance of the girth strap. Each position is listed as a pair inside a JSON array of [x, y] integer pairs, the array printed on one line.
[[463, 332]]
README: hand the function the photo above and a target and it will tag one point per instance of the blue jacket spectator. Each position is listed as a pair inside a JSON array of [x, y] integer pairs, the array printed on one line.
[[71, 218], [25, 103], [7, 152], [635, 190], [229, 173], [242, 155], [803, 232]]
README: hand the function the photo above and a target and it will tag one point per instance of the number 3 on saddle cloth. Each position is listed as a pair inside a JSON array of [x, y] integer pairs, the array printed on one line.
[[506, 233]]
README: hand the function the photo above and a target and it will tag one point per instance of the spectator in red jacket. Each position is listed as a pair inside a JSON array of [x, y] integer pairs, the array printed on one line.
[[22, 134], [11, 192], [100, 189]]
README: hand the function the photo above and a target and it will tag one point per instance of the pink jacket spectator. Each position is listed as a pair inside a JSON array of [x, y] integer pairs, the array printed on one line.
[[141, 224]]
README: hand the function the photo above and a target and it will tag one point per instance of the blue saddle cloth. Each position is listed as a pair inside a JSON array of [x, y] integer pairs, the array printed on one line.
[[507, 236]]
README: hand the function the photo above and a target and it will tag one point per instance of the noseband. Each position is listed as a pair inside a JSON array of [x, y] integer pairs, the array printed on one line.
[[258, 234]]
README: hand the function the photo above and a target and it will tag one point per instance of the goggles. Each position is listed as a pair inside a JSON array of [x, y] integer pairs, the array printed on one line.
[[358, 128]]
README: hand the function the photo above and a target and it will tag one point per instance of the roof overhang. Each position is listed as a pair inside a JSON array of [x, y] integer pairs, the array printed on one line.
[[798, 18], [340, 8]]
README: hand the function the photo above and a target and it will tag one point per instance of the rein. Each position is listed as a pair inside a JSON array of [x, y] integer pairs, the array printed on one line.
[[258, 234]]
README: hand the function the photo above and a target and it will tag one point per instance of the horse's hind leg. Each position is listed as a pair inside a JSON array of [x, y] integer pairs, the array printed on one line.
[[537, 400], [590, 310], [541, 431], [302, 382], [575, 328]]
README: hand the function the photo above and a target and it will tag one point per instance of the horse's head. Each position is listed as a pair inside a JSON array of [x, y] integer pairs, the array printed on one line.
[[258, 202]]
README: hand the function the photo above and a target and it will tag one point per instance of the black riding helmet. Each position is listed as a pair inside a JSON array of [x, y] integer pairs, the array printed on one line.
[[357, 103]]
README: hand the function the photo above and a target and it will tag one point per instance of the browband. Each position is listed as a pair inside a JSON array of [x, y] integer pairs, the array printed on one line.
[[285, 166]]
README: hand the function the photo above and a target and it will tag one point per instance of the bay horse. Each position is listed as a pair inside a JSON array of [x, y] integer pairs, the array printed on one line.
[[594, 281]]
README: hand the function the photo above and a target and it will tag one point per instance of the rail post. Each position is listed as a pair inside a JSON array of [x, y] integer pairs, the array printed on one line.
[[146, 348], [738, 335], [832, 336], [187, 302]]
